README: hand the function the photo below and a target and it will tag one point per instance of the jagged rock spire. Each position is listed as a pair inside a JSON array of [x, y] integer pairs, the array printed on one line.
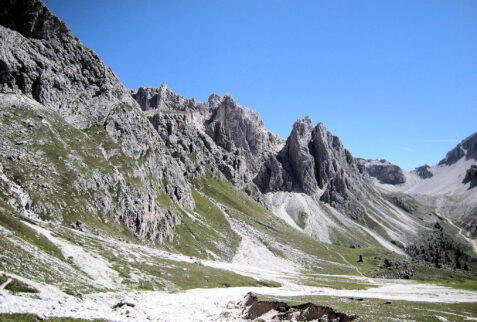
[[315, 162]]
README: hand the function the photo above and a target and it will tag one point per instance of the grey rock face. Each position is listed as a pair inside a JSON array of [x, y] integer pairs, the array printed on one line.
[[233, 130], [232, 125], [330, 155], [315, 162], [471, 176], [163, 98], [194, 151], [40, 58], [390, 174], [299, 156], [467, 148], [424, 171], [384, 171], [32, 19]]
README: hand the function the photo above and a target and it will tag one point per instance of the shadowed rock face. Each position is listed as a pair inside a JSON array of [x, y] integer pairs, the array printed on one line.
[[384, 171], [387, 173], [467, 148], [471, 176], [32, 19], [424, 171]]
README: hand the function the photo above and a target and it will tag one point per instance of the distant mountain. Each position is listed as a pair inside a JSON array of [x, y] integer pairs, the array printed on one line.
[[449, 185]]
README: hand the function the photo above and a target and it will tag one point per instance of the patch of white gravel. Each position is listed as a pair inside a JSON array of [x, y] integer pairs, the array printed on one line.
[[295, 207], [253, 254], [92, 264]]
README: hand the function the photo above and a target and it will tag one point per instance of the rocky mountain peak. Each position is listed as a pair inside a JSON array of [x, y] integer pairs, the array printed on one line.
[[162, 98], [302, 128], [300, 157], [424, 171], [41, 59], [234, 128], [232, 125], [214, 100], [467, 148], [32, 19], [315, 162]]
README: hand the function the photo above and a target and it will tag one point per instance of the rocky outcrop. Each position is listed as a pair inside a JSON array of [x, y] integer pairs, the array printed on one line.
[[403, 201], [424, 172], [467, 148], [150, 98], [471, 176], [278, 311], [314, 161], [384, 171]]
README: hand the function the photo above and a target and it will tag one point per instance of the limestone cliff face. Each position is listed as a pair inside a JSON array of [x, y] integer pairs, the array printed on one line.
[[238, 141], [299, 153], [41, 59], [315, 162], [194, 151]]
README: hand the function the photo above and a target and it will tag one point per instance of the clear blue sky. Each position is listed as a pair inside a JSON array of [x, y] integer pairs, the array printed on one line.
[[393, 79]]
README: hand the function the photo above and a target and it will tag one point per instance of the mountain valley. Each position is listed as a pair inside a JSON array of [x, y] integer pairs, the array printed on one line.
[[122, 204]]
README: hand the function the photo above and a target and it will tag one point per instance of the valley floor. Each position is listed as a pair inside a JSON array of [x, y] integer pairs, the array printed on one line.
[[374, 299], [224, 303]]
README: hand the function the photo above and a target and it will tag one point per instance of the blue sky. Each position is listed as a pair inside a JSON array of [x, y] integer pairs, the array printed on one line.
[[393, 79]]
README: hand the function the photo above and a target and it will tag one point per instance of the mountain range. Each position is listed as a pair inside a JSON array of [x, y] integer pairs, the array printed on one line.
[[103, 188]]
